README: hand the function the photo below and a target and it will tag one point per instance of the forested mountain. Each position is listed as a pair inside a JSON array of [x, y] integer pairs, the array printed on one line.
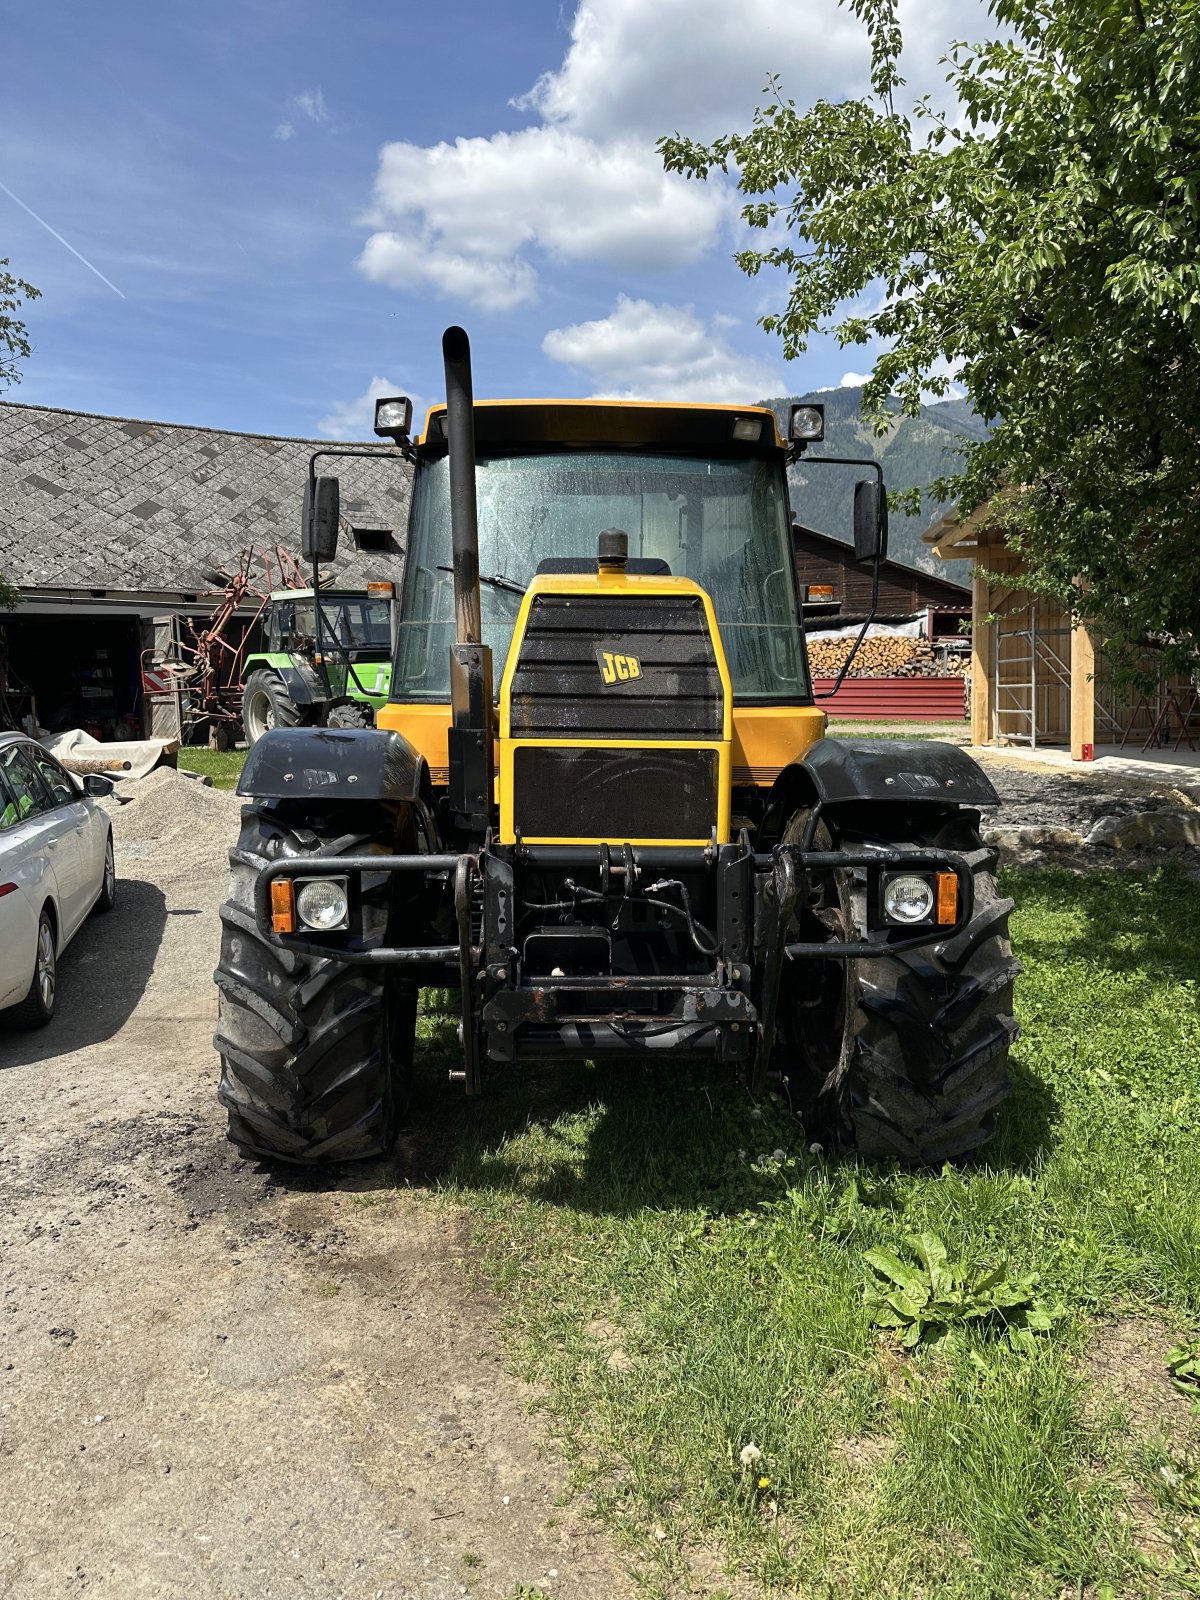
[[913, 452]]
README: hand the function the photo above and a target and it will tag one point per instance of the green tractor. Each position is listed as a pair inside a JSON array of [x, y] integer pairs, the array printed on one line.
[[343, 683]]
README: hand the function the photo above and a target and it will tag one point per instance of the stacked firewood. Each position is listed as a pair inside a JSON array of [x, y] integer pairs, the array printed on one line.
[[888, 656]]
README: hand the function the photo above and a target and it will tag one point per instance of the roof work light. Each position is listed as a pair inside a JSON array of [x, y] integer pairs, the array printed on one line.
[[393, 417]]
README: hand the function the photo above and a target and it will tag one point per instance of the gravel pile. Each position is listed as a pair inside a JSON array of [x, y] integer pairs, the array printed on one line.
[[1045, 800], [172, 827]]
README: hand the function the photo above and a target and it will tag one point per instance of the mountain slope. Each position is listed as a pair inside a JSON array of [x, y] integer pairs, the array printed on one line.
[[913, 452]]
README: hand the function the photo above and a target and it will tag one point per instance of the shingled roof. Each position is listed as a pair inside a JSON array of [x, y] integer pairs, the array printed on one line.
[[91, 502]]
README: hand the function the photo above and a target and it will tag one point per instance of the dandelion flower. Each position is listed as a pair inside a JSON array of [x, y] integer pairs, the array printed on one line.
[[778, 1155], [816, 1149], [751, 1454], [764, 1483]]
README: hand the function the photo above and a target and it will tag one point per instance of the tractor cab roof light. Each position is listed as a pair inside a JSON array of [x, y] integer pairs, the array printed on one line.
[[747, 430], [806, 424], [393, 417]]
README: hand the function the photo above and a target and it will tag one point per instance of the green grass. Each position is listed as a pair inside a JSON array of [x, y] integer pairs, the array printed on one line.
[[222, 766], [674, 1298]]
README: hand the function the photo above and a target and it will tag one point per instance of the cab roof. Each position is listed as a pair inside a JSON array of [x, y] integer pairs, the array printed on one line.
[[609, 424]]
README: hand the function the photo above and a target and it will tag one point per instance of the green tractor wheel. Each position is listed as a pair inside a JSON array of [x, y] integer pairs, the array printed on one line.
[[266, 704]]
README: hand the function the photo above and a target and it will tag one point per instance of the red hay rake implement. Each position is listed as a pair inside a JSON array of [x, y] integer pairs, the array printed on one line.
[[202, 668]]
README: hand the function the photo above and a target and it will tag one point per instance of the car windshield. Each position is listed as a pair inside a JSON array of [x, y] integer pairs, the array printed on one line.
[[354, 621], [723, 523]]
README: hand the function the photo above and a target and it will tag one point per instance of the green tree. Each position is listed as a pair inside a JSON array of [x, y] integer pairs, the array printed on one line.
[[1042, 243], [14, 341], [14, 347]]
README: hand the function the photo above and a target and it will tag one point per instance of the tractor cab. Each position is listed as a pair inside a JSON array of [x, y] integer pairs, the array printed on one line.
[[356, 621]]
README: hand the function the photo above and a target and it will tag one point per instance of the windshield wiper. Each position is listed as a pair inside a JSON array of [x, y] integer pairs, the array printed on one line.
[[497, 581]]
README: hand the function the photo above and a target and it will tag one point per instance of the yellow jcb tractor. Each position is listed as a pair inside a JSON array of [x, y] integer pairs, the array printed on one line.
[[632, 839]]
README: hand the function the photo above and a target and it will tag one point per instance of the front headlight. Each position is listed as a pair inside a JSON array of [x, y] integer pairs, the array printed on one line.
[[908, 899], [323, 903]]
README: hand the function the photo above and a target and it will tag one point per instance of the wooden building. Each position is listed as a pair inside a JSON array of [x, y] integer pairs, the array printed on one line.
[[824, 563], [1038, 676]]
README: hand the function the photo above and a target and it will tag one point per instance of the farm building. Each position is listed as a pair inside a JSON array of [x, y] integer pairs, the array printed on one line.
[[120, 533], [840, 588], [894, 677], [1040, 679]]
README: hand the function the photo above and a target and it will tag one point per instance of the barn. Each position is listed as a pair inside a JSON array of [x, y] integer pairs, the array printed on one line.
[[120, 534]]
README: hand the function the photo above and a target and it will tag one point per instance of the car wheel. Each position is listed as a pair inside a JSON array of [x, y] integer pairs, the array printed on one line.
[[108, 889], [37, 1007]]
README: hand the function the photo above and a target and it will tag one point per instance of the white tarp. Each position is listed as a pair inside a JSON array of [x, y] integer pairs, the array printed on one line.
[[878, 630], [143, 755]]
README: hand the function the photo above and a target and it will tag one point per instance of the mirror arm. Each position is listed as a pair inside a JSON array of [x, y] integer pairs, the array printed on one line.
[[319, 455], [877, 469]]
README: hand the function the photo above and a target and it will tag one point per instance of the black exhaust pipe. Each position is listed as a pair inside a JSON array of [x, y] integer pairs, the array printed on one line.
[[470, 738]]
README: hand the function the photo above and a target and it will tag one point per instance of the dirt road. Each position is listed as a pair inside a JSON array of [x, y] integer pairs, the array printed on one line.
[[214, 1380]]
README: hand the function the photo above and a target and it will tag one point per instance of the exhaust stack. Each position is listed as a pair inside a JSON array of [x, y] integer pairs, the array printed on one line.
[[470, 736]]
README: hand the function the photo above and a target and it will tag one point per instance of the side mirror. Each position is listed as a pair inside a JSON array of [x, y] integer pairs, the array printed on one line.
[[96, 785], [319, 526], [870, 520]]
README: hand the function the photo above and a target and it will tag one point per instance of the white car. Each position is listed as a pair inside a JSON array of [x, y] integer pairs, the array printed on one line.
[[56, 865]]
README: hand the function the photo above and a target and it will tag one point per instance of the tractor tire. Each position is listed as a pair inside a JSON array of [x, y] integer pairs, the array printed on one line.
[[350, 714], [905, 1057], [266, 704], [316, 1054]]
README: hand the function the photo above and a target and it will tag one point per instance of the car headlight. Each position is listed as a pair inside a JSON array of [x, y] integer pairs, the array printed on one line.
[[323, 903], [908, 899]]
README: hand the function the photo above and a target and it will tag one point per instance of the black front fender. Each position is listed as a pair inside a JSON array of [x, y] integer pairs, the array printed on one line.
[[892, 771], [333, 764]]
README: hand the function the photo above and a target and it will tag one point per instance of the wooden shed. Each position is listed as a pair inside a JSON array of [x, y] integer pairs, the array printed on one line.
[[1039, 677]]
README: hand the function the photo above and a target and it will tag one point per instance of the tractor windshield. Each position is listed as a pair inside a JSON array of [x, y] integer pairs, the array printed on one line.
[[724, 523], [355, 622]]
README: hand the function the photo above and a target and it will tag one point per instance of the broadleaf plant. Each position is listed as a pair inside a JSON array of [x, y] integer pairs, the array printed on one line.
[[1183, 1363], [930, 1301]]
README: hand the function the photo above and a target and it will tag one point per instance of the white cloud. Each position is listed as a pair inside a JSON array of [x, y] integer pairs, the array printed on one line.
[[661, 352], [475, 220], [696, 65], [462, 218], [308, 105], [701, 65], [354, 419], [852, 380]]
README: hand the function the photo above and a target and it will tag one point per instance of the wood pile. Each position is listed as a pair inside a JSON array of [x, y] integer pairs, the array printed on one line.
[[888, 656]]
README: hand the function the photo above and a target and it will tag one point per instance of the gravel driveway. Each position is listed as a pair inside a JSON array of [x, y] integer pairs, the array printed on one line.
[[216, 1380]]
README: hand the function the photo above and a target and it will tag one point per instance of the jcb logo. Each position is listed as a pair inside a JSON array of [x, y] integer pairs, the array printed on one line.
[[617, 668]]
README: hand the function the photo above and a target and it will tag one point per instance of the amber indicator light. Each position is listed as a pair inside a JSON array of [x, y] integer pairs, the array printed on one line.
[[947, 897], [283, 905]]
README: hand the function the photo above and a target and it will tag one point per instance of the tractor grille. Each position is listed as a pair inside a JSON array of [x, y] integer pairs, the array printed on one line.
[[612, 667], [614, 794]]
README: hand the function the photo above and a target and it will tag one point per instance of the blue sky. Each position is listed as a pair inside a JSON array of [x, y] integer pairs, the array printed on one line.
[[293, 199]]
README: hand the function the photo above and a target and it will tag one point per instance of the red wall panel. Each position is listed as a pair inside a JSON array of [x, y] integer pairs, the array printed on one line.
[[905, 699]]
